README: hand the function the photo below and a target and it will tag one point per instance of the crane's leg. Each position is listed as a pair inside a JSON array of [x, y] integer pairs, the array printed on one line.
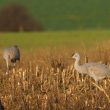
[[14, 64], [19, 63], [7, 63]]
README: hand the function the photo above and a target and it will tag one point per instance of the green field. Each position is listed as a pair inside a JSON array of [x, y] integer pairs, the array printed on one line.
[[67, 15], [69, 39]]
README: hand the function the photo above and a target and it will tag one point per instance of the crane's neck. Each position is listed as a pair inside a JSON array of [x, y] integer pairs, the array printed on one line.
[[77, 64]]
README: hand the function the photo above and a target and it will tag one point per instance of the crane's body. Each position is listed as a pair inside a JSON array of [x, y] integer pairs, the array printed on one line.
[[95, 70], [11, 54]]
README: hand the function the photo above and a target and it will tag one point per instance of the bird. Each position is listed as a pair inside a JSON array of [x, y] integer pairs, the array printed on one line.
[[11, 55], [95, 70]]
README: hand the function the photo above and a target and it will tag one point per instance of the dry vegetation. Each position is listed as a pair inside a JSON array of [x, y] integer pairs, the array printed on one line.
[[46, 80]]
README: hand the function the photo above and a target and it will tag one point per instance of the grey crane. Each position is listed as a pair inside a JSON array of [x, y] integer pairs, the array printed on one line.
[[95, 70], [11, 54]]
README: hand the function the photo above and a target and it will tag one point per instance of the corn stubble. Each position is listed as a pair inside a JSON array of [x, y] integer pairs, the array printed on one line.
[[50, 82]]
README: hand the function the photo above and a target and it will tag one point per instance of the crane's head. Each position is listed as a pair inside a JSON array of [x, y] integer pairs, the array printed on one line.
[[76, 56]]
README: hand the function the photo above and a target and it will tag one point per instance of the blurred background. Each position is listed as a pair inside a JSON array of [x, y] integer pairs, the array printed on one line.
[[53, 15], [54, 23]]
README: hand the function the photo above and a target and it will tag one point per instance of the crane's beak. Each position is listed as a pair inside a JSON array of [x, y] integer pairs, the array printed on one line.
[[72, 55]]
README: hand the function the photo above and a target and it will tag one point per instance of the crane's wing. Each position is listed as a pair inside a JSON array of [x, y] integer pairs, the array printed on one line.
[[99, 70]]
